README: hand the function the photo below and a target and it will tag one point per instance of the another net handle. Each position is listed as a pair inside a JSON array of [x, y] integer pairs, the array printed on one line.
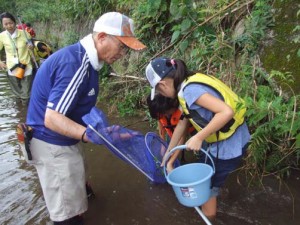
[[154, 135]]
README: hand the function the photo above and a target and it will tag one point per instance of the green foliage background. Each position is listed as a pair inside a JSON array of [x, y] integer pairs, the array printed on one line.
[[219, 37]]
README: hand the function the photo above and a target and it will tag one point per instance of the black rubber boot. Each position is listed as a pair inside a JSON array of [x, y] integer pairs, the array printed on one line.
[[76, 220]]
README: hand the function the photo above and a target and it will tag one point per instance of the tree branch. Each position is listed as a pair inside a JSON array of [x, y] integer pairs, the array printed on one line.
[[195, 27], [127, 76]]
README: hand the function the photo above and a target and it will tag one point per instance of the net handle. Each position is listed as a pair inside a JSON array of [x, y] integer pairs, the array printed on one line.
[[183, 147]]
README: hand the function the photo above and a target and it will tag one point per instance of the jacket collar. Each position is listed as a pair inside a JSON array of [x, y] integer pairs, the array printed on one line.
[[15, 34]]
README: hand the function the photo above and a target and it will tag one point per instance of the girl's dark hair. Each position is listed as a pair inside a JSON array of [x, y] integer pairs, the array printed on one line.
[[7, 15], [160, 105], [180, 74]]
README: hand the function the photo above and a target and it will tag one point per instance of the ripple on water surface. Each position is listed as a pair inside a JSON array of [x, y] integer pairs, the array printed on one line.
[[21, 197]]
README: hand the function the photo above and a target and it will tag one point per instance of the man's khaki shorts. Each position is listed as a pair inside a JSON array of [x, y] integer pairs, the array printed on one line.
[[61, 173]]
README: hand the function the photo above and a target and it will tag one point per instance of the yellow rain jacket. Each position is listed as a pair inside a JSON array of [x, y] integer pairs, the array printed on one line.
[[16, 48]]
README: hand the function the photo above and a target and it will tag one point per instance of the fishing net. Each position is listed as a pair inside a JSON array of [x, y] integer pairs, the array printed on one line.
[[144, 152], [157, 148]]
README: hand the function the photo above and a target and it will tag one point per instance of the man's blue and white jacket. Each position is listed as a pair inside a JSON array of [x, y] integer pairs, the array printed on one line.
[[67, 82]]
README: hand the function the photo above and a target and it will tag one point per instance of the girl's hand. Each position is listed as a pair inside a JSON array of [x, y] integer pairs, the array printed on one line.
[[170, 167], [171, 160], [194, 144], [164, 159]]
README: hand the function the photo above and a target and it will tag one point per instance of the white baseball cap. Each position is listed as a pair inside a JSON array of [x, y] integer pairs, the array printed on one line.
[[156, 70], [121, 27]]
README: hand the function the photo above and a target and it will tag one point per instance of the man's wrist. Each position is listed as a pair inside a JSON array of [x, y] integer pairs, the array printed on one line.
[[82, 137]]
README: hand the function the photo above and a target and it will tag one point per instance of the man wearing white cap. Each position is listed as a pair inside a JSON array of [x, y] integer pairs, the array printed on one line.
[[66, 88]]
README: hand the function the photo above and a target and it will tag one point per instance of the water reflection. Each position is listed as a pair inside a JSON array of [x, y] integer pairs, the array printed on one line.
[[21, 198]]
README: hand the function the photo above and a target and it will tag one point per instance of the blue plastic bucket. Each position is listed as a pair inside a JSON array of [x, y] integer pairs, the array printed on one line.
[[191, 182]]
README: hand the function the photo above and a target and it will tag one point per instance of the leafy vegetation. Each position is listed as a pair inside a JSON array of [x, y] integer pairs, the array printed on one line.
[[222, 38]]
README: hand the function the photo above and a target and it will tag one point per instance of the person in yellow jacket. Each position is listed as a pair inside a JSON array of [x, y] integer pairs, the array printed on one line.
[[18, 63], [41, 50], [215, 111]]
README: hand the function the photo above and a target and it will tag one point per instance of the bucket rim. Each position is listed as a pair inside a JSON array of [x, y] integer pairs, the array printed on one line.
[[208, 176]]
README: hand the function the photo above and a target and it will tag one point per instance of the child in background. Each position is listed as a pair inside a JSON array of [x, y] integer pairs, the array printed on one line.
[[214, 110], [30, 30], [166, 111], [41, 50], [22, 25]]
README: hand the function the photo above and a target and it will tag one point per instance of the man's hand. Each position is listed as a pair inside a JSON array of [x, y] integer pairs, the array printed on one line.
[[2, 65]]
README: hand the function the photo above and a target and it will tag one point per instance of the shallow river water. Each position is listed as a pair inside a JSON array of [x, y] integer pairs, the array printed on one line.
[[124, 196]]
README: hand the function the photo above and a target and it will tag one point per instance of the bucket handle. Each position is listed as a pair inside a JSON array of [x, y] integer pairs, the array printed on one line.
[[182, 147]]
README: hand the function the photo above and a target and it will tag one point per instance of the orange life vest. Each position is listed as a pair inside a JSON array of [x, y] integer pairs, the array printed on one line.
[[169, 123]]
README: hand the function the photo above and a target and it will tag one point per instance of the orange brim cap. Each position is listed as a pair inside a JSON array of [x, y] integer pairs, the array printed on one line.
[[132, 42]]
